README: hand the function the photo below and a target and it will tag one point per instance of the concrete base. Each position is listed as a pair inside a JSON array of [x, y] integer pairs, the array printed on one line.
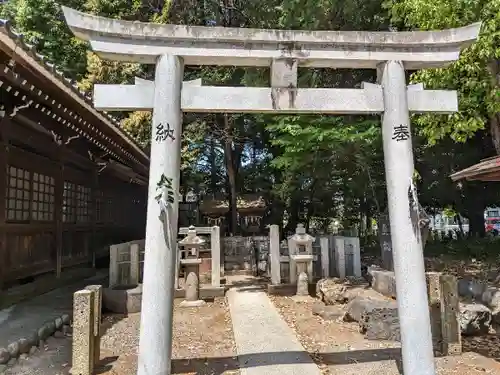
[[122, 299], [206, 292], [197, 303]]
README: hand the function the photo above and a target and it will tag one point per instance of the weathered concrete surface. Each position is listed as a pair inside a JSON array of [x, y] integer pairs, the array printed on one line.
[[260, 333], [143, 42]]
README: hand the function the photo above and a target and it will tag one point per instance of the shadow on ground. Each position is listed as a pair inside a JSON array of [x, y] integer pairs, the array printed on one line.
[[218, 365]]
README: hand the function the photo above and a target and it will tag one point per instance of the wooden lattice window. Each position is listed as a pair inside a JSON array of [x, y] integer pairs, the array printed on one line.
[[83, 204], [69, 202], [43, 197], [18, 194]]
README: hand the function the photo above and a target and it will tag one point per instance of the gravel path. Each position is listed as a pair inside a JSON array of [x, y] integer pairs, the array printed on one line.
[[339, 349], [203, 342]]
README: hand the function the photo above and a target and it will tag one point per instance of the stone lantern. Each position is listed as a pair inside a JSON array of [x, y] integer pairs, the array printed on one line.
[[191, 245], [301, 259]]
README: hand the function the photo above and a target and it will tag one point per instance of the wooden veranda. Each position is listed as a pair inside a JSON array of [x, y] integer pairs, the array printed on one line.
[[74, 181]]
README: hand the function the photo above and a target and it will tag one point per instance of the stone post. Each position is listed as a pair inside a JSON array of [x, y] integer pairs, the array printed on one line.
[[340, 261], [134, 264], [355, 248], [325, 256], [113, 265], [97, 289], [215, 250], [434, 292], [83, 353], [155, 343], [274, 252], [413, 305], [450, 327]]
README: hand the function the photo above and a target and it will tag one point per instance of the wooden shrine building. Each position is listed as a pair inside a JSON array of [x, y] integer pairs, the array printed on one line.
[[72, 181]]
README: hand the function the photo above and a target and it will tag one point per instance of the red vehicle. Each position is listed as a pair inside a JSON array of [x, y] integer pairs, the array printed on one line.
[[492, 225]]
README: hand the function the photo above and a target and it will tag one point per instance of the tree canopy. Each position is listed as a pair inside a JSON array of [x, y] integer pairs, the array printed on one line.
[[311, 169]]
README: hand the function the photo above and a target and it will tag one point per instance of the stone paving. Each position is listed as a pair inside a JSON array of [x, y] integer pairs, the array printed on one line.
[[265, 343]]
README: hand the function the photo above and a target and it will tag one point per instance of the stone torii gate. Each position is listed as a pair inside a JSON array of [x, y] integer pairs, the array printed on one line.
[[171, 47]]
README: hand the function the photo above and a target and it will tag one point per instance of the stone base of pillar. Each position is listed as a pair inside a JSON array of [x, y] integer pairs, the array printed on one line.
[[197, 303]]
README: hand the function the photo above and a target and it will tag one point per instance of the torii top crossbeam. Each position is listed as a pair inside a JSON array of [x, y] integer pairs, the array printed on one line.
[[197, 45]]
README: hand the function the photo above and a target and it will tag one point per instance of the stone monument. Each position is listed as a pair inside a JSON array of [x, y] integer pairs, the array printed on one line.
[[301, 259], [171, 47], [192, 243]]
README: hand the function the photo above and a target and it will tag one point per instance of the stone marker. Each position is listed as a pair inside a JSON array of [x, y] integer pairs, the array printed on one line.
[[97, 289], [83, 332], [302, 285], [450, 326]]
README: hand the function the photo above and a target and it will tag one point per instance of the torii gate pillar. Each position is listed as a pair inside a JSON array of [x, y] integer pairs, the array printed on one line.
[[155, 343]]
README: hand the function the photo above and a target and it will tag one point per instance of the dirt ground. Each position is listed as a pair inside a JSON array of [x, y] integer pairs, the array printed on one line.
[[203, 344], [339, 349]]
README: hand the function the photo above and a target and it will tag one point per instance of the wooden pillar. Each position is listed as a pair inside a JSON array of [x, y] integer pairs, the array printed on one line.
[[58, 209], [4, 147], [93, 234]]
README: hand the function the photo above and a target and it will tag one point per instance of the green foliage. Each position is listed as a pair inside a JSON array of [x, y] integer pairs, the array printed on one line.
[[475, 75]]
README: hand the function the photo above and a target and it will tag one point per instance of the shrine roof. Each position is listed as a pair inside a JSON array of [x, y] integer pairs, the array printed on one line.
[[34, 74], [485, 170], [246, 202], [199, 45]]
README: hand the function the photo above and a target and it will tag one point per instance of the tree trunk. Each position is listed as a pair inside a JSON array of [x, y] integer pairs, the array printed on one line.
[[231, 175], [213, 167], [476, 222]]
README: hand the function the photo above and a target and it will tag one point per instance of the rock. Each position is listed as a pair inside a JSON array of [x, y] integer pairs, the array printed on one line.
[[23, 356], [33, 338], [12, 361], [474, 319], [13, 349], [50, 327], [58, 335], [359, 305], [334, 290], [3, 369], [67, 330], [66, 319], [327, 312], [43, 333], [491, 298], [25, 345], [378, 319], [59, 323], [383, 281], [33, 350], [4, 356]]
